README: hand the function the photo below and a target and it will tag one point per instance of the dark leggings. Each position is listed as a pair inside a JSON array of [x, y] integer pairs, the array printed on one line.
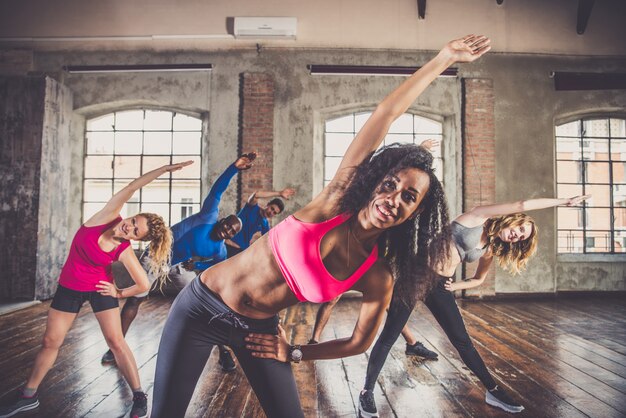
[[443, 307], [197, 321]]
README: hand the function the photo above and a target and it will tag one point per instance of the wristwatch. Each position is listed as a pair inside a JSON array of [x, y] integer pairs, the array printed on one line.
[[295, 353]]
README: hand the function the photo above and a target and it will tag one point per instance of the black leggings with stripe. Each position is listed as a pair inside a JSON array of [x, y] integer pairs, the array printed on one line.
[[197, 321]]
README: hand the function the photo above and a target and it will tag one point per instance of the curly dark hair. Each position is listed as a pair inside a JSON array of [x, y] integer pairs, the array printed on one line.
[[421, 241]]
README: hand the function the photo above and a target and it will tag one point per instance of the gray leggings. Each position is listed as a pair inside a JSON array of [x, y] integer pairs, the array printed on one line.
[[197, 321]]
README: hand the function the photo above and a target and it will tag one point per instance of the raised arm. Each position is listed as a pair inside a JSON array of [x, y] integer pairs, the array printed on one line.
[[113, 207], [466, 49], [211, 203], [285, 193], [478, 215]]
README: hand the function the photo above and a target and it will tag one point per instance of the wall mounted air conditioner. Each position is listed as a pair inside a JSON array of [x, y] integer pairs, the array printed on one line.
[[265, 27]]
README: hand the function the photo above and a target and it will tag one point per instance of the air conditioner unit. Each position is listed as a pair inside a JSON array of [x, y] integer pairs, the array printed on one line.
[[265, 27]]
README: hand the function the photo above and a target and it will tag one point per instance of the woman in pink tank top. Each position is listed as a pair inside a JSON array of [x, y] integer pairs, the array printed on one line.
[[86, 275], [367, 227]]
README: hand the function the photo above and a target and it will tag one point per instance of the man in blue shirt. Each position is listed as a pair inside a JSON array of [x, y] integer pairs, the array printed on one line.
[[198, 237], [255, 218]]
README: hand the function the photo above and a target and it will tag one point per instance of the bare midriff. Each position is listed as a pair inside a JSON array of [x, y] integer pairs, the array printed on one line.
[[251, 283]]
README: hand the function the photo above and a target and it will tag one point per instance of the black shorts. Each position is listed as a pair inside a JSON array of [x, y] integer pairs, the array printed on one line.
[[68, 300]]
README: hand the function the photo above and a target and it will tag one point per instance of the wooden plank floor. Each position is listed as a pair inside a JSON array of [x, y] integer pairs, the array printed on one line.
[[564, 358]]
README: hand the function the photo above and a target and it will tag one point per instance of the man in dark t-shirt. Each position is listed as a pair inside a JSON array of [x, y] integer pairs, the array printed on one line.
[[255, 219]]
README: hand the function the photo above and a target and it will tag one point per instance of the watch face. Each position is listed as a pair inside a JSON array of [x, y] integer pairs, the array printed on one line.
[[296, 354]]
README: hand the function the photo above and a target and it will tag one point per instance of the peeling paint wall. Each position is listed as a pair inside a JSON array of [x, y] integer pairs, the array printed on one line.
[[526, 108]]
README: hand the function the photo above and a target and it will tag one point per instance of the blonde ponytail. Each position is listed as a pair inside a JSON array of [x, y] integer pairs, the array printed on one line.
[[160, 249]]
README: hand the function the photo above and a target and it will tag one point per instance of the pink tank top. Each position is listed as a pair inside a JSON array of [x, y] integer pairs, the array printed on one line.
[[86, 263], [296, 244]]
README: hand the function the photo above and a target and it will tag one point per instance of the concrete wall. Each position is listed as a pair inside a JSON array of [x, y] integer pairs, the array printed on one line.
[[526, 108], [34, 127]]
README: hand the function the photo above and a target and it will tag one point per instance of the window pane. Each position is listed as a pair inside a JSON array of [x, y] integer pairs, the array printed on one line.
[[128, 142], [131, 120], [127, 167], [181, 211], [119, 185], [186, 123], [568, 190], [158, 191], [97, 191], [427, 126], [598, 218], [186, 191], [342, 124], [567, 148], [337, 144], [620, 241], [191, 171], [569, 129], [618, 128], [600, 195], [595, 149], [99, 142], [598, 241], [404, 124], [103, 123], [619, 171], [187, 142], [596, 127], [152, 163], [597, 172], [330, 167], [620, 218], [97, 166], [159, 209], [90, 209], [568, 172], [157, 121], [619, 195], [570, 241], [569, 218], [157, 143]]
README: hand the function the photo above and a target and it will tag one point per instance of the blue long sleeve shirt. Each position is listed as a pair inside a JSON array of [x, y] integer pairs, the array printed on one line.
[[252, 222], [192, 235]]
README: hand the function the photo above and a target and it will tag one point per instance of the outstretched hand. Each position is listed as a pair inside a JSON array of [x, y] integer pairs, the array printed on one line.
[[269, 346], [287, 193], [177, 166], [573, 201], [245, 161], [467, 49], [429, 144]]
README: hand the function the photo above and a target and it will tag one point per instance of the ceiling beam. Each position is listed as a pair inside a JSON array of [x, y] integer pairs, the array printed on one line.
[[421, 9], [569, 81], [317, 69], [584, 11]]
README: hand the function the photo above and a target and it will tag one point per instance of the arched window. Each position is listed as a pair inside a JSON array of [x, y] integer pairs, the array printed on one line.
[[591, 159], [121, 146], [408, 128]]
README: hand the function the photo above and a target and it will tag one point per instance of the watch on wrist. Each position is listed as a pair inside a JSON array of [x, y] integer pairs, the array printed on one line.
[[295, 353]]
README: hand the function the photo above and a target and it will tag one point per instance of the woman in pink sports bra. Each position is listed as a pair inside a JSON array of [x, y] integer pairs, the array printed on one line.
[[86, 276], [366, 228]]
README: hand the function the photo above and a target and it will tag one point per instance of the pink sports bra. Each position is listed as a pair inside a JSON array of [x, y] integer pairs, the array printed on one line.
[[296, 248]]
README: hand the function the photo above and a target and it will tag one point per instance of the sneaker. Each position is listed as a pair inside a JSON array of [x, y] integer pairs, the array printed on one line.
[[498, 398], [108, 358], [226, 361], [140, 405], [19, 405], [419, 350], [313, 341], [367, 404]]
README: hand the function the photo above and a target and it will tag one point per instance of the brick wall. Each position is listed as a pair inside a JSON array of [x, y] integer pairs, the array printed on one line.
[[256, 132], [479, 159]]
